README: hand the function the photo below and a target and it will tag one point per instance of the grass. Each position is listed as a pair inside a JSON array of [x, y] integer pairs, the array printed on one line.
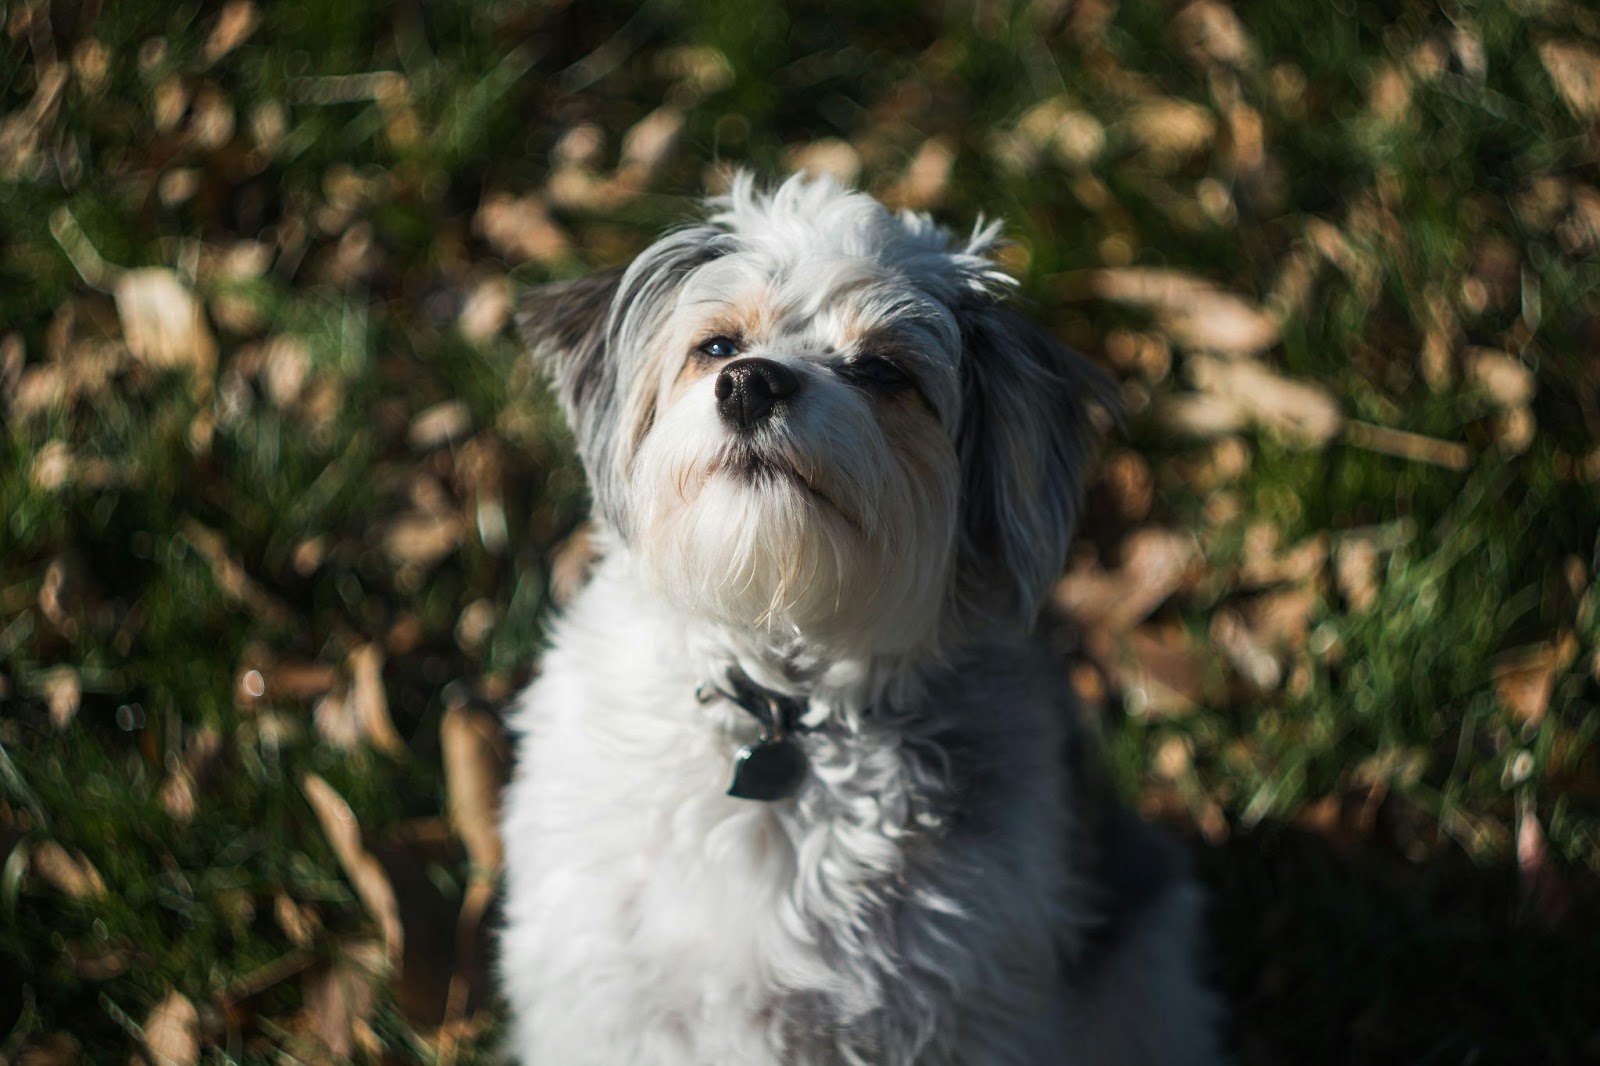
[[1383, 753]]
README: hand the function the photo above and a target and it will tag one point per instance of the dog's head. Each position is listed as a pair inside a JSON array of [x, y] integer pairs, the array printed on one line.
[[813, 416]]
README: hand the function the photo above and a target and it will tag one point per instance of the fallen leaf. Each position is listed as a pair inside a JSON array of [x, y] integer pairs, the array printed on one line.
[[475, 758], [1574, 67], [1155, 564], [51, 1049], [234, 25], [1298, 411], [1500, 376], [1355, 569], [419, 539], [830, 156], [341, 996], [1525, 678], [486, 310], [201, 757], [1210, 32], [571, 563], [230, 574], [366, 874], [69, 873], [927, 176], [474, 625], [440, 424], [298, 921], [1160, 672], [520, 229], [647, 144], [1170, 130], [63, 692], [165, 325], [1195, 313], [369, 702], [172, 1032], [1248, 654]]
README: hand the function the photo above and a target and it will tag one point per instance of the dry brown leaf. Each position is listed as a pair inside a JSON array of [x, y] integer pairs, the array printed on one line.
[[571, 563], [369, 702], [440, 424], [1525, 678], [336, 722], [1355, 569], [366, 874], [22, 130], [234, 25], [52, 1049], [1156, 563], [165, 325], [646, 146], [340, 997], [1283, 618], [830, 156], [69, 873], [179, 793], [1160, 673], [521, 229], [1130, 484], [1195, 313], [1299, 412], [474, 625], [1574, 67], [1170, 130], [420, 539], [285, 370], [1264, 564], [1502, 377], [1514, 429], [63, 692], [1248, 653], [486, 310], [927, 176], [475, 761], [172, 1032], [1203, 414], [230, 574], [1210, 32], [298, 921]]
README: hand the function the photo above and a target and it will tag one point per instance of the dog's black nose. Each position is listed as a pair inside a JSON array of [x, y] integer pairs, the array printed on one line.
[[748, 389]]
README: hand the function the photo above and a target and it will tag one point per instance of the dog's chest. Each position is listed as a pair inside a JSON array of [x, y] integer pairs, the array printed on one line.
[[635, 880]]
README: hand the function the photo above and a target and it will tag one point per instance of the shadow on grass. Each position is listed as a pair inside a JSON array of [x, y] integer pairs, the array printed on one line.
[[1333, 951]]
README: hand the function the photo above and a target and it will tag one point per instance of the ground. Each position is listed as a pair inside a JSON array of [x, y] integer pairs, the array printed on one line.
[[284, 508]]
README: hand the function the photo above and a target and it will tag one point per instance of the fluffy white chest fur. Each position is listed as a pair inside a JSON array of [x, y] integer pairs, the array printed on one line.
[[653, 919], [828, 461]]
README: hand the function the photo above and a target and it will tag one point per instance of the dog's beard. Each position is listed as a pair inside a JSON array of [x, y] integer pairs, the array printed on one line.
[[823, 528]]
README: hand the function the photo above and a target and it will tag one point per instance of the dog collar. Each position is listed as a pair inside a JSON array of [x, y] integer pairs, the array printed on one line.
[[773, 767]]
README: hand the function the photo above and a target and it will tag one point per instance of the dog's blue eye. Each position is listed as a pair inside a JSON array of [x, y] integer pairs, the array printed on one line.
[[719, 348], [875, 371]]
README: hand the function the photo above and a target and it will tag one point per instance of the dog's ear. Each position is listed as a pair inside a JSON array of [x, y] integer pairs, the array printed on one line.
[[564, 324], [1028, 434], [590, 337]]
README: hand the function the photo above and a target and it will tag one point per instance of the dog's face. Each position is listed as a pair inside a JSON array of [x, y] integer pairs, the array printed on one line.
[[812, 417]]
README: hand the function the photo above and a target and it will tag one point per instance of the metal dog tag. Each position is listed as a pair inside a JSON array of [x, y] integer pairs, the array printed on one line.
[[769, 769]]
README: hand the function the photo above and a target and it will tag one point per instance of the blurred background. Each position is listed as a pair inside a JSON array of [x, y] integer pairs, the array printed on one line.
[[284, 511]]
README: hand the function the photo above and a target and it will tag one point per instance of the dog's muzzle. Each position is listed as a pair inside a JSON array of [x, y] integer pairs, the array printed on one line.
[[748, 390]]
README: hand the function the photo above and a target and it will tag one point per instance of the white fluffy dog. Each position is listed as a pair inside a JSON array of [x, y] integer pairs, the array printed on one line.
[[796, 784]]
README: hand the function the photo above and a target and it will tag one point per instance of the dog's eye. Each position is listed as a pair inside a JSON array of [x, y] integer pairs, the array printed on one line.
[[719, 348], [874, 371]]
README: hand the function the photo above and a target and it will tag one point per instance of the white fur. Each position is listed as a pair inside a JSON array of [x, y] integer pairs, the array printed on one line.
[[929, 894]]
